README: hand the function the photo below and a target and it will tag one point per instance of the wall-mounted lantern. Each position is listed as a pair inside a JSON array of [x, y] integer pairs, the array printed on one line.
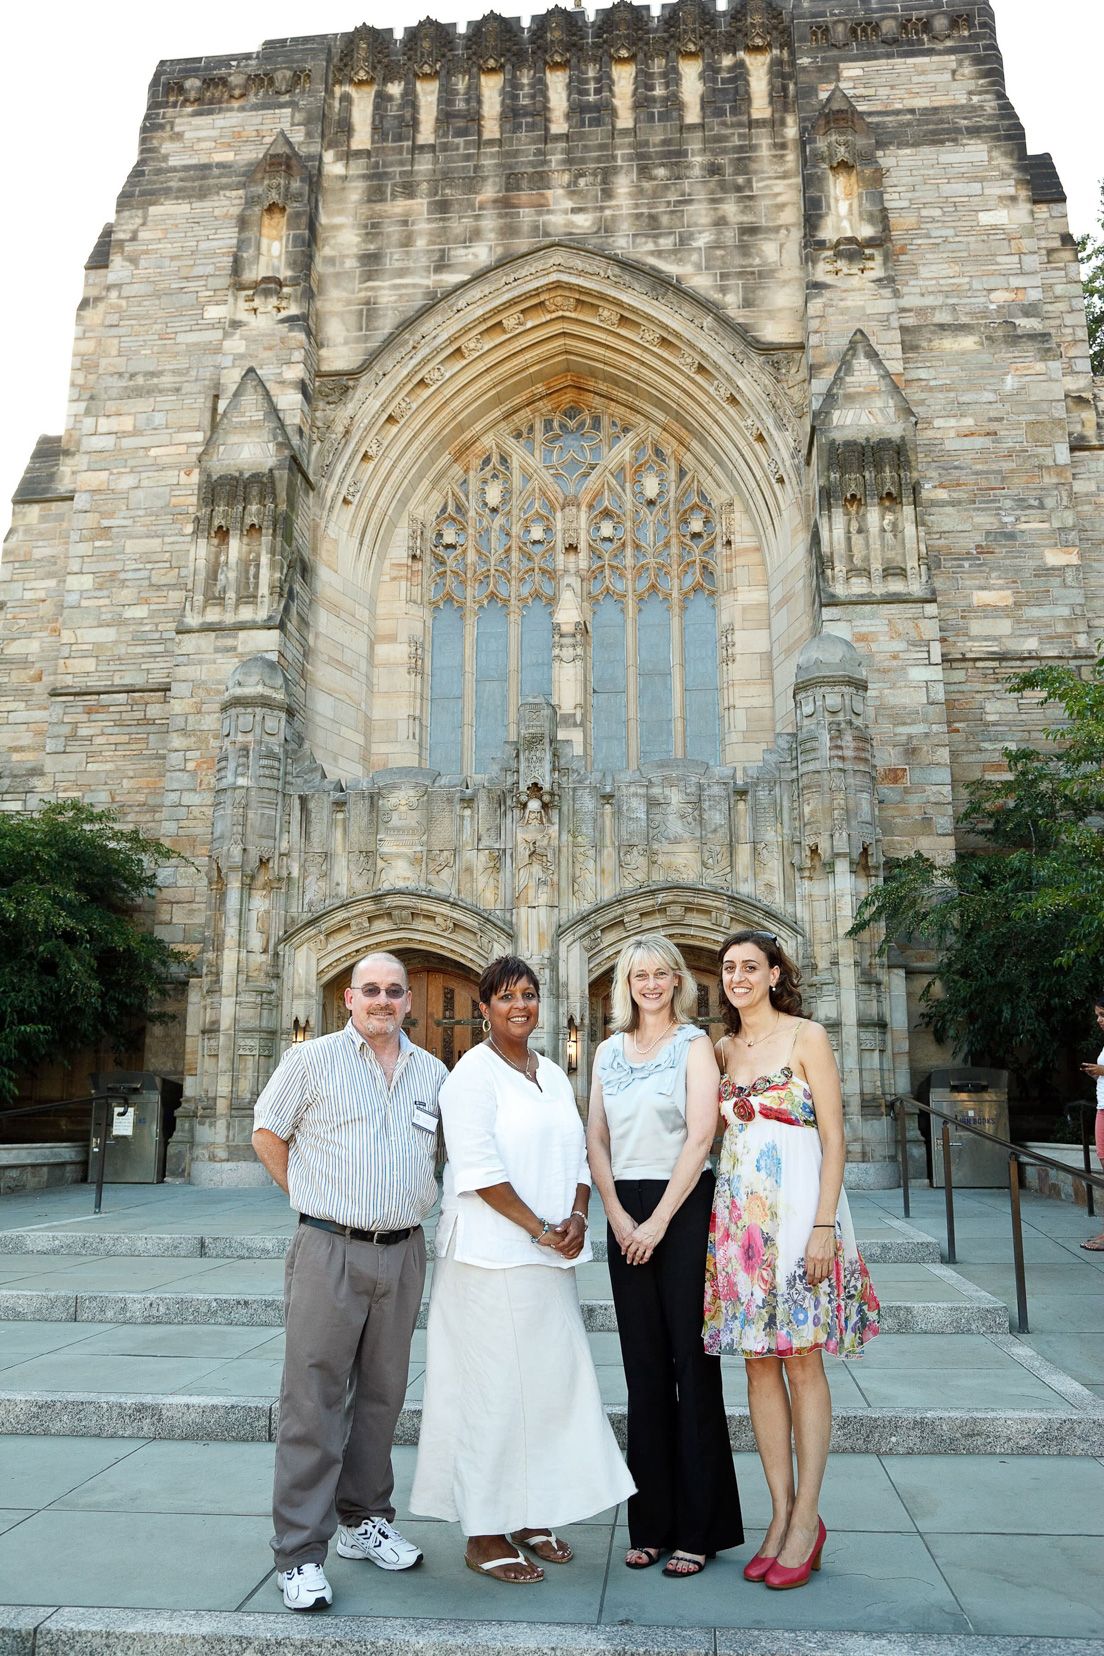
[[300, 1031], [572, 1046]]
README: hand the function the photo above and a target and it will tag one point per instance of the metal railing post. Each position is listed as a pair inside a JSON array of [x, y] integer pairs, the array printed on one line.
[[101, 1115], [902, 1137], [1017, 1243], [1087, 1153], [948, 1192]]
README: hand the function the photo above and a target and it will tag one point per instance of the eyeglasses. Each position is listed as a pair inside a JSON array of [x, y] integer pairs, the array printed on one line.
[[371, 991]]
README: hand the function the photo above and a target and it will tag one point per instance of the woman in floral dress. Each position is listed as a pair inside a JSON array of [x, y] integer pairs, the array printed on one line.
[[784, 1278]]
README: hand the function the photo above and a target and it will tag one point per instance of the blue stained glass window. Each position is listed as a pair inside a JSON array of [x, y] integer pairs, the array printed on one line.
[[607, 631], [653, 679], [699, 650], [536, 650], [446, 689], [492, 644]]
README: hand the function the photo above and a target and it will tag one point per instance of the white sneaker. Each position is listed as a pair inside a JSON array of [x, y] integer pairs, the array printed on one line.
[[305, 1587], [381, 1542]]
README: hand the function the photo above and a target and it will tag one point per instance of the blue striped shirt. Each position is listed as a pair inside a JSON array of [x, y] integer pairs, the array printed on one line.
[[356, 1154]]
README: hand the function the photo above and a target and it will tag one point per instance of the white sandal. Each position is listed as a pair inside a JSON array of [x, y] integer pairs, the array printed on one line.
[[553, 1541], [498, 1564]]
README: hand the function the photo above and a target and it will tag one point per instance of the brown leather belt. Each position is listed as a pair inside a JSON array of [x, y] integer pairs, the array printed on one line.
[[383, 1239]]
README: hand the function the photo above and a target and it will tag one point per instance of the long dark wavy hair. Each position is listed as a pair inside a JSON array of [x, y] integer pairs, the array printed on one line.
[[785, 995]]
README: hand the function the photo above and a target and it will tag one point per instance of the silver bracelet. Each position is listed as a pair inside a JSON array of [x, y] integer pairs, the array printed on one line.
[[541, 1234], [575, 1214]]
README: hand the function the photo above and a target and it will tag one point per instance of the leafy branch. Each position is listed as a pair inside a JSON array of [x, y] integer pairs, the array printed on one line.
[[77, 970]]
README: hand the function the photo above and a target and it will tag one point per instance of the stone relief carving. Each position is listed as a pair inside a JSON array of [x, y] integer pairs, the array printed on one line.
[[488, 892], [237, 86], [402, 836]]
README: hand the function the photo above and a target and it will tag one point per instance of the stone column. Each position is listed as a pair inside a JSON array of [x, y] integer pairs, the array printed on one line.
[[838, 858], [240, 987]]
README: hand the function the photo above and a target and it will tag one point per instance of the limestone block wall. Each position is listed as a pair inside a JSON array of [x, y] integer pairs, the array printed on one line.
[[668, 139], [807, 236], [992, 353]]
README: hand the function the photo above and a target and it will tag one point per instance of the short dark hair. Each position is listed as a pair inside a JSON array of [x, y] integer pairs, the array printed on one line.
[[502, 974]]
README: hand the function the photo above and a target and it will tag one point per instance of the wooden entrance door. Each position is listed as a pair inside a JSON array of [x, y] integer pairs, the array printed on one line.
[[444, 1014]]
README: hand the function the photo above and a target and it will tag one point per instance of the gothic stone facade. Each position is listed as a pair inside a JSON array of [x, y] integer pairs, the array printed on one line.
[[522, 486]]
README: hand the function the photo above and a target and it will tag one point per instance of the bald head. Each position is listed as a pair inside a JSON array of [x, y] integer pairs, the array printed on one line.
[[378, 999], [375, 963]]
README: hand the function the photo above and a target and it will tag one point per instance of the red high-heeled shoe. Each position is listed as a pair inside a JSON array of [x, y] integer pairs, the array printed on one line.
[[781, 1576], [756, 1568]]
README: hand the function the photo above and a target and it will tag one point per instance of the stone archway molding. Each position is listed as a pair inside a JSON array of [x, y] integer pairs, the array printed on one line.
[[653, 341], [686, 914], [388, 920]]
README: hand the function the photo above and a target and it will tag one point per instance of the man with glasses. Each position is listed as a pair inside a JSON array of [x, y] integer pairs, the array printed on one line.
[[348, 1127]]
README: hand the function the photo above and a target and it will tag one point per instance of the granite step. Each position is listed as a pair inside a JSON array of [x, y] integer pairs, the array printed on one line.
[[983, 1315], [76, 1630], [904, 1246], [871, 1431]]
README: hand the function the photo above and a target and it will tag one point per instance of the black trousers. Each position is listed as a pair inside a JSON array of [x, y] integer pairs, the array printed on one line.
[[678, 1448]]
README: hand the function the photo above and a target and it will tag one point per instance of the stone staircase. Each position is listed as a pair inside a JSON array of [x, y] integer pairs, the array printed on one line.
[[945, 1377]]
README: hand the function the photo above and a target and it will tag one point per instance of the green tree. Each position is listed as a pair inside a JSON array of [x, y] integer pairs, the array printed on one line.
[[76, 969], [1091, 254], [1017, 924]]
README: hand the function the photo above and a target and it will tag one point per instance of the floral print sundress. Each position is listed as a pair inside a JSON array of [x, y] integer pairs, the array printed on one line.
[[758, 1301]]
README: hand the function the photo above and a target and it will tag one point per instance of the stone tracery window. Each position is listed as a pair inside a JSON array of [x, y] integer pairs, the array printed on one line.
[[646, 574]]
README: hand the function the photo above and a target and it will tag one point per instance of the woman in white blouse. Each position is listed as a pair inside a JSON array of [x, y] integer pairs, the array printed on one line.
[[514, 1437]]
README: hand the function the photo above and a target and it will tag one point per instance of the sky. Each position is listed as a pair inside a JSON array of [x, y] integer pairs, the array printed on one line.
[[75, 97]]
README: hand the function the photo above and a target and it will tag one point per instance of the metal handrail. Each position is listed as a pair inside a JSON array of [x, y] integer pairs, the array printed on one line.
[[100, 1120], [1017, 1156], [38, 1109]]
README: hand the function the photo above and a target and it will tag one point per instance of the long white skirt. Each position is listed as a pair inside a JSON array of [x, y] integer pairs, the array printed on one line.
[[514, 1433]]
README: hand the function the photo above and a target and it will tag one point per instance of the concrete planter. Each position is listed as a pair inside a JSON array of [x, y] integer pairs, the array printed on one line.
[[35, 1166], [1064, 1189]]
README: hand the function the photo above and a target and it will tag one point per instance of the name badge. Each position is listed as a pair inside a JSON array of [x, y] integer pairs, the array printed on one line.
[[425, 1117]]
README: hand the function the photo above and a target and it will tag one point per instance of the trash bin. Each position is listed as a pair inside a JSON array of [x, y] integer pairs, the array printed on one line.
[[136, 1130], [979, 1096]]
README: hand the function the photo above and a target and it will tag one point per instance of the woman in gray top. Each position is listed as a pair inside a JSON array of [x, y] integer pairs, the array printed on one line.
[[653, 1116]]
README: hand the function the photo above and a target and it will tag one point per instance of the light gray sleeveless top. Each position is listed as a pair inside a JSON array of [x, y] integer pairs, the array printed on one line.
[[645, 1105]]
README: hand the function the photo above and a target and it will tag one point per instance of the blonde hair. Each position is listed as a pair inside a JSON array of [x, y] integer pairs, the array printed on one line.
[[653, 946]]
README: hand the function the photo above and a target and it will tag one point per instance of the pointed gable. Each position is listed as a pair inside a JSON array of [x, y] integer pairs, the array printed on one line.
[[250, 431], [864, 394], [279, 167]]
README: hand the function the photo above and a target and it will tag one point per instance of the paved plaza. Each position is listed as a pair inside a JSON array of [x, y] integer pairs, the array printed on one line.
[[136, 1512]]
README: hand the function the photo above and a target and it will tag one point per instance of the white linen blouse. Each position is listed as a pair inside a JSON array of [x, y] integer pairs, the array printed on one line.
[[500, 1130]]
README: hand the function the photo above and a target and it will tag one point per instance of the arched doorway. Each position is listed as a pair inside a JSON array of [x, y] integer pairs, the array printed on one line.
[[444, 1005]]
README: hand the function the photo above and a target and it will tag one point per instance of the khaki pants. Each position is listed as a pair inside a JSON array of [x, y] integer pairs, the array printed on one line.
[[350, 1309]]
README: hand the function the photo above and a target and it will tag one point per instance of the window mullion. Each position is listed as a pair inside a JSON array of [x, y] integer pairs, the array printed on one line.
[[632, 703], [468, 738], [513, 604], [678, 686]]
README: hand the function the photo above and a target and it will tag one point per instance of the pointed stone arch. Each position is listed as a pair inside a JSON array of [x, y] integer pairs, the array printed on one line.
[[554, 319], [570, 312], [318, 948]]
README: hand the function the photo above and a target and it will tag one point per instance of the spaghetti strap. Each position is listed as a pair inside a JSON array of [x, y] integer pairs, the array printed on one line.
[[793, 1043]]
